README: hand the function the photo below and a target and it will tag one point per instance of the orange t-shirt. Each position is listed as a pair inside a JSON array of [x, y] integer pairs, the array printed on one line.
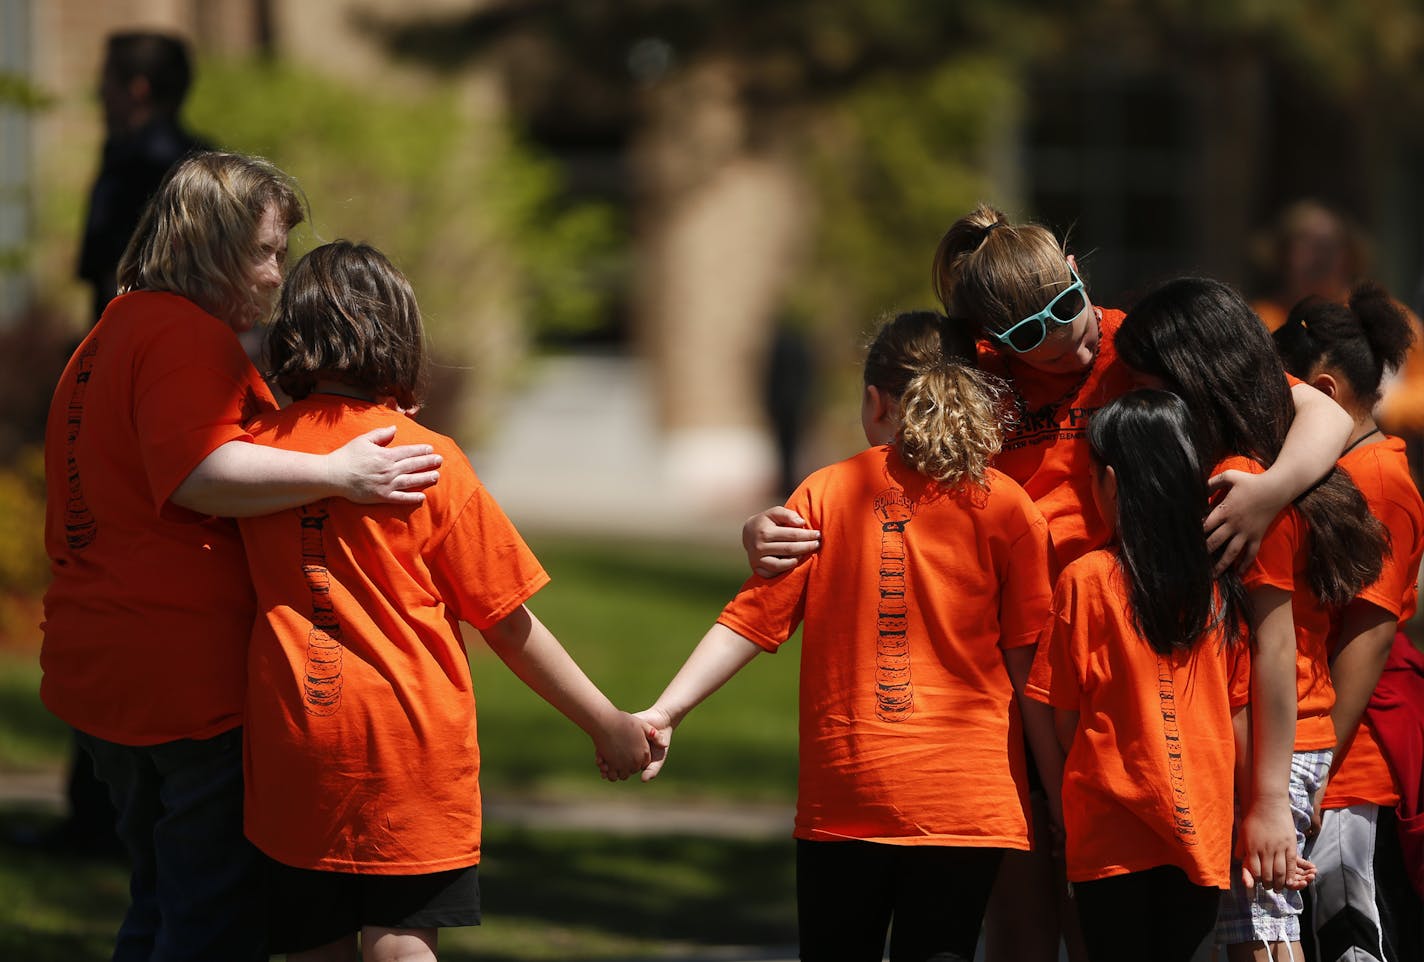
[[1148, 779], [361, 752], [147, 617], [1047, 451], [908, 726], [1281, 563], [1381, 472]]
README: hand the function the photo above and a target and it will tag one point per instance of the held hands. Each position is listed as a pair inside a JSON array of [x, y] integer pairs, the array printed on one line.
[[1239, 520], [1266, 845], [366, 471], [623, 747], [659, 727], [655, 729], [777, 540], [1301, 876]]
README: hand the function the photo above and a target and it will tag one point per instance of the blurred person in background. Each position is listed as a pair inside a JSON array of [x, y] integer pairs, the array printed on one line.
[[1313, 250], [142, 86]]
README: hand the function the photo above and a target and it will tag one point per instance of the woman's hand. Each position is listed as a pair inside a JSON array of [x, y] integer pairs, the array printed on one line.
[[365, 470]]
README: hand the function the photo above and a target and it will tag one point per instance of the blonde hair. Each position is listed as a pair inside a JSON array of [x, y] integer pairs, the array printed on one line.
[[990, 274], [198, 235], [951, 413]]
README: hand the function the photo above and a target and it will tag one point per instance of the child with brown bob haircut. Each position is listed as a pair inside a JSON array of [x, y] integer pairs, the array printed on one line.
[[361, 756]]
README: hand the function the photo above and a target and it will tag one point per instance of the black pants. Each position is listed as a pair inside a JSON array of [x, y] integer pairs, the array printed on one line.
[[1155, 914], [848, 893]]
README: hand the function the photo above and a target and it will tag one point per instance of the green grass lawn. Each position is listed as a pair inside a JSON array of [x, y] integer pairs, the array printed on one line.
[[629, 614]]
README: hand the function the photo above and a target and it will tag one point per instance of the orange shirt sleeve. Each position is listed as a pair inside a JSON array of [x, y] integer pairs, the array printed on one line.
[[1238, 667], [483, 567], [1382, 475], [768, 611], [1055, 678], [193, 389], [1027, 598]]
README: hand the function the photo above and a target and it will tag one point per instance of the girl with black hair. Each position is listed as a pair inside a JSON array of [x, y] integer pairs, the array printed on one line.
[[1144, 667], [1363, 902], [1198, 338]]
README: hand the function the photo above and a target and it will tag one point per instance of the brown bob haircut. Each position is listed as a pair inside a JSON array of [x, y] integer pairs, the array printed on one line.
[[347, 315]]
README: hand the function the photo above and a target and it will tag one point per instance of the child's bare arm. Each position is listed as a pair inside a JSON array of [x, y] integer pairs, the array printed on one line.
[[1366, 635], [1267, 841], [242, 480], [718, 656], [533, 653], [1310, 450], [1040, 730], [777, 540]]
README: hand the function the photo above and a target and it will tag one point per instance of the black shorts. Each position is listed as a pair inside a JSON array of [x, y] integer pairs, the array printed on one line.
[[309, 908]]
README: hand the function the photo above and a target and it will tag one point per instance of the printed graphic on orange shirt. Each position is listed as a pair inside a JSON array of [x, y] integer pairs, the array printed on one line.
[[894, 695], [1047, 426], [1182, 824], [80, 528], [321, 684]]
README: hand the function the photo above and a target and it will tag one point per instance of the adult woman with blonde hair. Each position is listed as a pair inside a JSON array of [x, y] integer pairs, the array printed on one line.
[[150, 609]]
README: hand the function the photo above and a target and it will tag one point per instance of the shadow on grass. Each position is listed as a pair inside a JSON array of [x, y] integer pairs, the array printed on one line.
[[52, 909], [707, 891], [547, 895]]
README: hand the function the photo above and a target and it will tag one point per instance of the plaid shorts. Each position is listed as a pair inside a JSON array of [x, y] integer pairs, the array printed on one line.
[[1261, 915]]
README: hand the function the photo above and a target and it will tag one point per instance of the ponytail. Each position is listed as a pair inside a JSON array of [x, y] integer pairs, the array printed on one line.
[[989, 274], [950, 423], [1357, 342], [950, 412]]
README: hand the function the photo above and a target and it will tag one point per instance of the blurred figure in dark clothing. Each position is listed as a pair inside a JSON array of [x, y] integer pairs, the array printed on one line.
[[145, 78], [789, 385]]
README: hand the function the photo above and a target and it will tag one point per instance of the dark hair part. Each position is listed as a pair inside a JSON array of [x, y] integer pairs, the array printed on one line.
[[162, 59], [346, 314], [950, 412], [990, 274], [1357, 342], [1203, 342], [1145, 437]]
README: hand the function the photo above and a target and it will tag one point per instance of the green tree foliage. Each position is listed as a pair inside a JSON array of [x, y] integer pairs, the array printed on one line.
[[460, 203]]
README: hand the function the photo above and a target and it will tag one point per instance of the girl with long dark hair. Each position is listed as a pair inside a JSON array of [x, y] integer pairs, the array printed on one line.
[[1198, 338], [1145, 665]]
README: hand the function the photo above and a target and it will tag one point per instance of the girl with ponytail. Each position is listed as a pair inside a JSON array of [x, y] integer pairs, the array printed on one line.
[[1198, 338], [1344, 350], [919, 622]]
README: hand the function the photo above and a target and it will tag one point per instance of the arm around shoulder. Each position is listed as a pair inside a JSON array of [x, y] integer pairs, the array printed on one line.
[[241, 479]]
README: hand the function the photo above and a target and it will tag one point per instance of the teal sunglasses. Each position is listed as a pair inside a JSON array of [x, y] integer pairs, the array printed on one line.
[[1030, 332]]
